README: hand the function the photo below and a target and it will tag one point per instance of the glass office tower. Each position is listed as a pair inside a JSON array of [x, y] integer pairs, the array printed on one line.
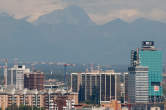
[[150, 57]]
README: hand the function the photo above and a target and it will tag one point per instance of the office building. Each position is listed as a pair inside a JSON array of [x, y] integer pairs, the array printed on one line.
[[95, 86], [16, 76], [138, 85], [146, 60]]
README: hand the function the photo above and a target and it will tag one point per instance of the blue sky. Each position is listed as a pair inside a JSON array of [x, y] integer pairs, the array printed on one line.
[[100, 11]]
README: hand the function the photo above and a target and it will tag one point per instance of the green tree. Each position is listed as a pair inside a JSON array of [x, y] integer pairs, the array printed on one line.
[[23, 107]]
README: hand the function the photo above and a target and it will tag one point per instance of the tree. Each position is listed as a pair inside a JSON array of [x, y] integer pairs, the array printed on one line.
[[23, 107]]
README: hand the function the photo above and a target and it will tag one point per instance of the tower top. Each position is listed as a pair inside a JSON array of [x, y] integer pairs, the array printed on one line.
[[148, 45]]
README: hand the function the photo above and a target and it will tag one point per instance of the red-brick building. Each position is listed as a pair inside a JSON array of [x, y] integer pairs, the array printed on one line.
[[34, 80]]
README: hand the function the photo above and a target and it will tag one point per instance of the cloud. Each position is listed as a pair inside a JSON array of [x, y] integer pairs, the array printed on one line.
[[125, 14], [32, 8], [101, 11]]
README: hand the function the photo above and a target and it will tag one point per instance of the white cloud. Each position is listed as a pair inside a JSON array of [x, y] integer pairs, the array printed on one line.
[[101, 11], [31, 8], [125, 14]]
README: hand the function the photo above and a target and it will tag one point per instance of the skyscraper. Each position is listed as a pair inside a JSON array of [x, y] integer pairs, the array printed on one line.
[[147, 59]]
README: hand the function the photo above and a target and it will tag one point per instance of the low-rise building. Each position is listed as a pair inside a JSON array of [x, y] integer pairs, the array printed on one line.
[[49, 100]]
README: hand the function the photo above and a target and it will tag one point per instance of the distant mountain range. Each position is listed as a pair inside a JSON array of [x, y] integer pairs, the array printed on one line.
[[70, 35]]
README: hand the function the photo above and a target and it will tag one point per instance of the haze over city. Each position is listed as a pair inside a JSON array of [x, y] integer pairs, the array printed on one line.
[[80, 31], [82, 55]]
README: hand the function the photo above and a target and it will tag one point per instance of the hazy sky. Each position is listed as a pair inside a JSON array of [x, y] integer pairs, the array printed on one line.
[[100, 11]]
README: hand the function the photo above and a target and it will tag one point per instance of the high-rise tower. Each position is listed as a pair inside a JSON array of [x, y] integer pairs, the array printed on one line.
[[16, 76], [150, 60]]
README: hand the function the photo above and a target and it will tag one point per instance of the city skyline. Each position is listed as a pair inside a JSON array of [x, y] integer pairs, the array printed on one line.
[[82, 55]]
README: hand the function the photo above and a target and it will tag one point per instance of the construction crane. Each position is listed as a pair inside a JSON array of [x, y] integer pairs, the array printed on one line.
[[5, 73], [5, 70], [65, 73]]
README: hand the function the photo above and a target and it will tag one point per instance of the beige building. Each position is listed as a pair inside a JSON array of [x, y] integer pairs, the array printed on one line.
[[30, 98], [44, 99]]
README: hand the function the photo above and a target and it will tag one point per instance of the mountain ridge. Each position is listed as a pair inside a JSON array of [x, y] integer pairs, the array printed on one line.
[[81, 42]]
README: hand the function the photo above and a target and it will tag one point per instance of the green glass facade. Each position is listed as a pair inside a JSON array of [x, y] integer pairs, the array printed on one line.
[[153, 60]]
